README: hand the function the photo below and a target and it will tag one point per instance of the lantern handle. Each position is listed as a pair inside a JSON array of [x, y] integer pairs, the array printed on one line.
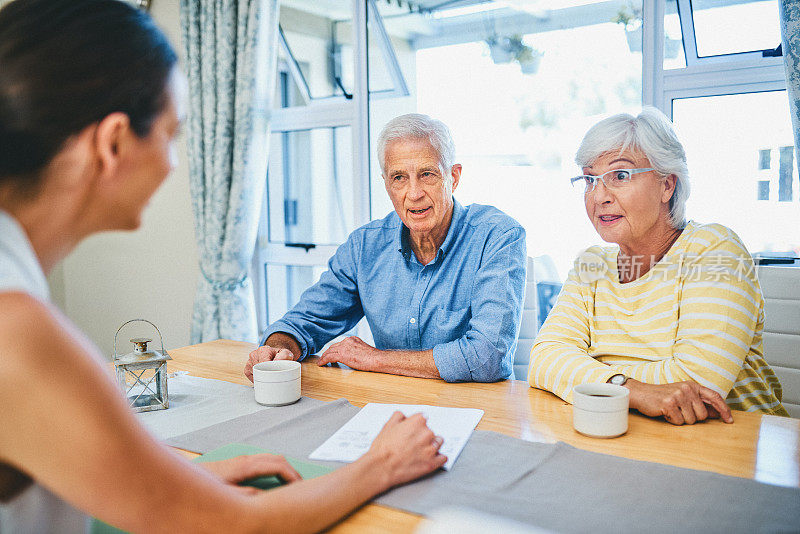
[[160, 337]]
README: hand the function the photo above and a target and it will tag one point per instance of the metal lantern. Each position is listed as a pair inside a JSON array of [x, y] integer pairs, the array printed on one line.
[[142, 374]]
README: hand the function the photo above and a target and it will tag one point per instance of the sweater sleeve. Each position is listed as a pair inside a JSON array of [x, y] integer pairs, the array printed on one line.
[[720, 312], [560, 358]]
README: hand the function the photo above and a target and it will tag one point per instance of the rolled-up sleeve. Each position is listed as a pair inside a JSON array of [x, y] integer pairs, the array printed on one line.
[[485, 352], [327, 309]]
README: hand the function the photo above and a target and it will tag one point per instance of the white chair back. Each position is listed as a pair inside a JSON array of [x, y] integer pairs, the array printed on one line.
[[540, 269], [781, 287]]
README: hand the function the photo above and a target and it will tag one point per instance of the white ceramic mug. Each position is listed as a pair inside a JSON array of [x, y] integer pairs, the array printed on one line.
[[277, 383], [600, 410]]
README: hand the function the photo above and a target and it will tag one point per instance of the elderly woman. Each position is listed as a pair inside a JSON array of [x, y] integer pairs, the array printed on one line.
[[674, 312], [84, 144], [440, 284]]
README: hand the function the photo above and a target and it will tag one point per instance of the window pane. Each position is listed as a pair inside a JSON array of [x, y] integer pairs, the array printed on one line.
[[743, 167], [379, 65], [320, 41], [285, 284], [310, 186], [732, 26], [674, 56], [518, 88]]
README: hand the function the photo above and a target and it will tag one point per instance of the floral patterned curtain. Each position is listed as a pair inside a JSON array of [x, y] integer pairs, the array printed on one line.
[[230, 50], [790, 30]]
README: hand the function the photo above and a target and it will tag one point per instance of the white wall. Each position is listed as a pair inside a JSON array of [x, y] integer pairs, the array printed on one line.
[[150, 273]]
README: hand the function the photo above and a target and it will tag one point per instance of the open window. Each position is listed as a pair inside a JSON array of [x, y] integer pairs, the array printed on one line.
[[317, 185]]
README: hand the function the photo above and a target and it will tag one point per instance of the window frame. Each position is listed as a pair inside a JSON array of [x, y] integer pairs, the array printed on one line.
[[744, 72], [321, 113], [721, 75]]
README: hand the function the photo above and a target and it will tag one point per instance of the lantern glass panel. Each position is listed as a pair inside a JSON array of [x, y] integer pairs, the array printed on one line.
[[145, 385]]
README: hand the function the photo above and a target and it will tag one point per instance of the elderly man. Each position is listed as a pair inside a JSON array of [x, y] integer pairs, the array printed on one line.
[[441, 285]]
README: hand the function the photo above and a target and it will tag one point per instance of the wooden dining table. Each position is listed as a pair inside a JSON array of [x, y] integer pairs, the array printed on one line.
[[761, 447]]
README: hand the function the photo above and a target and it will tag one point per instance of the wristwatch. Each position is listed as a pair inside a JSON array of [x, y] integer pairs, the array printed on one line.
[[618, 379]]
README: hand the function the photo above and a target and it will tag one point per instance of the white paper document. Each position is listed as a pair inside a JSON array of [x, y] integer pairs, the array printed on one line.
[[454, 425]]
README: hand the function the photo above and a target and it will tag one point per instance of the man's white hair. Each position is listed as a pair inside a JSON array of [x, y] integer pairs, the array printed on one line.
[[650, 133], [419, 126]]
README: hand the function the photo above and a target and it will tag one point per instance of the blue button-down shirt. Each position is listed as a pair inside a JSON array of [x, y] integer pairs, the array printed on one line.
[[466, 304]]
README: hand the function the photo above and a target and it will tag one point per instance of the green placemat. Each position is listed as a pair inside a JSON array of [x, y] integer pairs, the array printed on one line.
[[233, 450]]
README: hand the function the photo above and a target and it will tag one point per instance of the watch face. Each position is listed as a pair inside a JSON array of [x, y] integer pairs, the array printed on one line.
[[618, 380]]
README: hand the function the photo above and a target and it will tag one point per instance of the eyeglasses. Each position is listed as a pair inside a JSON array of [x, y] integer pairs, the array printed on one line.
[[618, 179]]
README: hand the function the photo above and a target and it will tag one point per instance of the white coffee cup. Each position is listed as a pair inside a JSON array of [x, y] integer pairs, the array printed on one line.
[[600, 410], [277, 383]]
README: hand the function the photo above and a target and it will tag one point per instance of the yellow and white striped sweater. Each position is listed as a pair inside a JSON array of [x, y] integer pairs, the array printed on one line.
[[698, 315]]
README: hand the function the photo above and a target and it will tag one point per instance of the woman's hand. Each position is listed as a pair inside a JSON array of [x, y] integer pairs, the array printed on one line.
[[680, 402], [241, 468], [407, 449]]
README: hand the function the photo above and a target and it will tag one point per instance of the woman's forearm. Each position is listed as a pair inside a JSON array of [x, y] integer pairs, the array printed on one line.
[[311, 505], [404, 450]]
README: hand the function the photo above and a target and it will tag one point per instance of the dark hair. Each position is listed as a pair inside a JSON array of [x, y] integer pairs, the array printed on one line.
[[65, 64]]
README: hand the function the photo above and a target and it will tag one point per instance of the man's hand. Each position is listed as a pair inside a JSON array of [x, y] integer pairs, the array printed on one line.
[[278, 346], [351, 351], [680, 403]]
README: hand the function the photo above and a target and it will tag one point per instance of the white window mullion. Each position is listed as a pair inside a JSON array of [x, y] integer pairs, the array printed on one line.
[[700, 78], [653, 53], [315, 116], [280, 254], [720, 90], [361, 200], [687, 30]]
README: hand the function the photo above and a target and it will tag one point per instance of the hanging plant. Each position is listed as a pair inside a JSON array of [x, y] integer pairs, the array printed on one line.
[[505, 49], [630, 19], [529, 59], [499, 50]]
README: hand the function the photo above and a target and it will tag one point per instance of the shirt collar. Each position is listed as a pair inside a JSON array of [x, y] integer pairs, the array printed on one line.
[[456, 222], [16, 247]]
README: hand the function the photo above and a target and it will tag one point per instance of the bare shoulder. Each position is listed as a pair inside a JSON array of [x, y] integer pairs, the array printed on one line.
[[24, 319], [44, 362], [34, 336]]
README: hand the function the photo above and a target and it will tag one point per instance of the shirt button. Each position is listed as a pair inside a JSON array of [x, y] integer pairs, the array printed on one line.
[[412, 320]]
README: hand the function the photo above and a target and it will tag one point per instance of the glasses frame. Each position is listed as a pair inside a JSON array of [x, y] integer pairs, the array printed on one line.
[[594, 179]]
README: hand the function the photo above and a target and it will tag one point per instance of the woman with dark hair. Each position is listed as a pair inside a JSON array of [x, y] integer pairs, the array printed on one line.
[[90, 103]]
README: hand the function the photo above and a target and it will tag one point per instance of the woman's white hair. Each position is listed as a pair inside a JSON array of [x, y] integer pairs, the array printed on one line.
[[650, 133], [419, 126]]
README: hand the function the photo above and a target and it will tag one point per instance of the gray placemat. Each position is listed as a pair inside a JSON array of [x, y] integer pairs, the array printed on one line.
[[294, 430], [554, 486], [565, 489], [196, 403]]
